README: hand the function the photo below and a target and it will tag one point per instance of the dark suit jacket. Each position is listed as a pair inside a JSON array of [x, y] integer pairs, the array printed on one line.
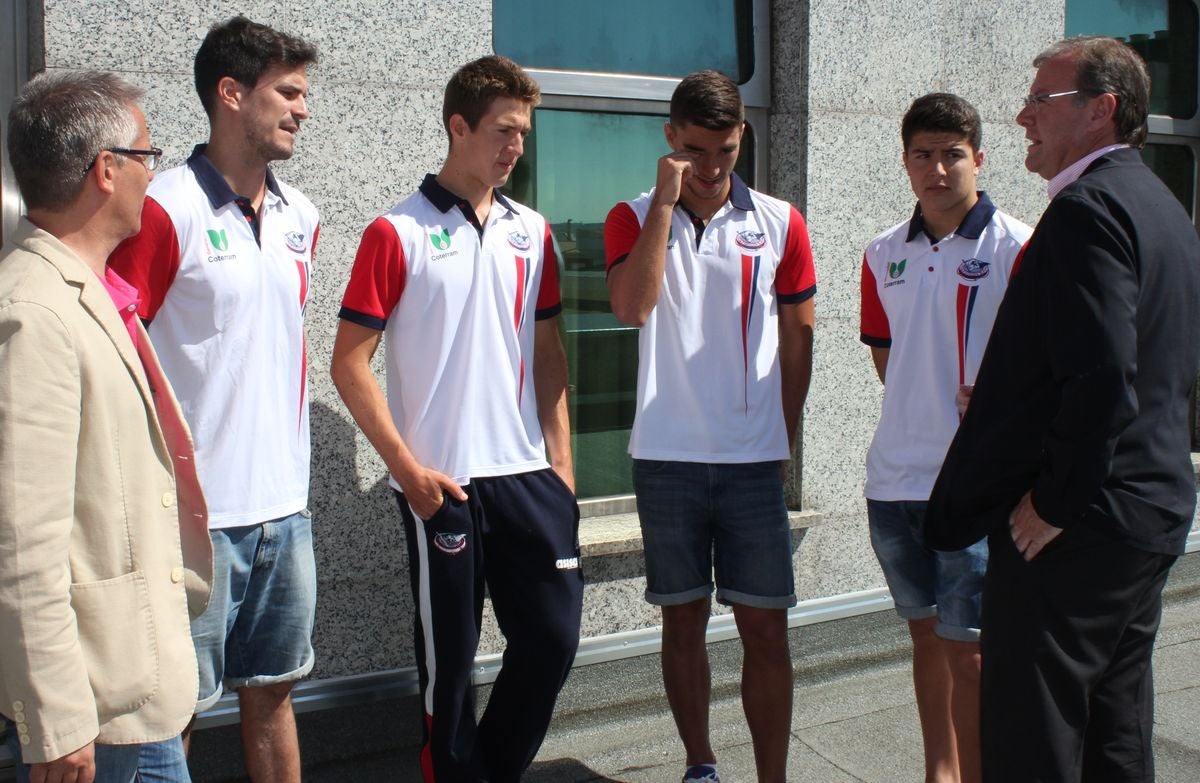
[[1083, 390]]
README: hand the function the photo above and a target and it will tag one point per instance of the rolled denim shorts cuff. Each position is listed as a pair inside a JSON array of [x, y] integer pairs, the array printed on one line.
[[917, 612], [676, 599], [955, 633], [731, 597], [272, 679]]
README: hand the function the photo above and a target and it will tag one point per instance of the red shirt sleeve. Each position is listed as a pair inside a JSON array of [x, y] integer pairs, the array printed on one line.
[[796, 279], [873, 321], [149, 260], [1017, 261], [621, 231], [549, 301], [377, 277]]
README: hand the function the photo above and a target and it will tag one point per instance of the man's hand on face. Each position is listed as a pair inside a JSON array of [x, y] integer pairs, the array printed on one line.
[[673, 170]]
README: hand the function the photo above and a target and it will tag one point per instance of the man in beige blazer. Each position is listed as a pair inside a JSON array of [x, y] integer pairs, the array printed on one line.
[[104, 549]]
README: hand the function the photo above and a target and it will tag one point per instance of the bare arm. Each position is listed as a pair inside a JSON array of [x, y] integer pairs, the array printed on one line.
[[880, 357], [550, 386], [634, 284], [795, 360], [360, 390]]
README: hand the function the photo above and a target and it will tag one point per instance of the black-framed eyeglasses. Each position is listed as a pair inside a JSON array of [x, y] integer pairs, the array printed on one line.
[[1032, 101], [149, 158]]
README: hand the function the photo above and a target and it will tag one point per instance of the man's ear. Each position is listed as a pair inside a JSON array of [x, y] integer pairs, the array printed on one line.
[[104, 172], [1104, 110], [459, 127], [230, 92]]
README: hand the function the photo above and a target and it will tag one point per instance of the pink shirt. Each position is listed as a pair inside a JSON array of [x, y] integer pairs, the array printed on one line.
[[126, 299], [1075, 170]]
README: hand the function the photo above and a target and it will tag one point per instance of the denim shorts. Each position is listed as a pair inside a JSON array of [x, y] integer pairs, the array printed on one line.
[[925, 582], [695, 515], [257, 629]]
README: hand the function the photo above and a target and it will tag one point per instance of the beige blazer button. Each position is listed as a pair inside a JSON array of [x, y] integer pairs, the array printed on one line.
[[18, 705], [168, 499], [19, 716], [24, 739], [176, 574]]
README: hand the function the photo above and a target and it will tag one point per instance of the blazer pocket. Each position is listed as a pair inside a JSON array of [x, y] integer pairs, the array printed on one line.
[[116, 632]]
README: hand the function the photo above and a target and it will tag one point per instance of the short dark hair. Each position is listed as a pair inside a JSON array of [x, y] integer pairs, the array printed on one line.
[[474, 86], [244, 50], [1106, 65], [942, 112], [58, 123], [709, 99]]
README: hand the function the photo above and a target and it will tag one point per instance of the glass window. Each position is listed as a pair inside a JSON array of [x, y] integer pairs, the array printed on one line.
[[577, 165], [1162, 31], [1175, 164], [658, 38]]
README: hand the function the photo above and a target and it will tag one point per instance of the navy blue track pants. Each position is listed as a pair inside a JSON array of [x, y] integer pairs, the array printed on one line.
[[519, 535]]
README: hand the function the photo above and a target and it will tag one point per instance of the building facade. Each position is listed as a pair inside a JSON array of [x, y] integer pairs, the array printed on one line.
[[825, 83]]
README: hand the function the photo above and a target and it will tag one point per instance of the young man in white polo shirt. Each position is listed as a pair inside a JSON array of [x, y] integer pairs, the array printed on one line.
[[720, 280], [463, 284], [930, 289], [223, 267]]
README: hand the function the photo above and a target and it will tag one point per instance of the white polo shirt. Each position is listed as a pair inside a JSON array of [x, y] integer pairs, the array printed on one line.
[[932, 303], [225, 311], [708, 355], [457, 303]]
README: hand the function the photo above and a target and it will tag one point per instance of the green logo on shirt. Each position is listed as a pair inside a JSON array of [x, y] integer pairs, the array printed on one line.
[[895, 270], [219, 241], [440, 241]]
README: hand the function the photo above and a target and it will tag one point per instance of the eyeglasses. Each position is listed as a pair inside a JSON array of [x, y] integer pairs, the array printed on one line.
[[149, 158], [1032, 102]]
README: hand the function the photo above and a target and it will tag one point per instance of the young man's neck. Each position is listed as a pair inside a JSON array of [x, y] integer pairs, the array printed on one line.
[[707, 207], [245, 173], [943, 224], [462, 183]]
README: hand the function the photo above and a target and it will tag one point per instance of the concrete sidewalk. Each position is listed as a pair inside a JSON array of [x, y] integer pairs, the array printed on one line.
[[852, 723], [854, 718]]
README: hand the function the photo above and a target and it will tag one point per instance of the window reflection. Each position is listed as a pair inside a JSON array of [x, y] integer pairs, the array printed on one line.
[[1175, 164], [576, 166], [1162, 31], [658, 38]]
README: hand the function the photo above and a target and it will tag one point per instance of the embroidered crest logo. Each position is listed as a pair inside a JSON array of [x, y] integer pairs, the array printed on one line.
[[450, 543], [295, 241], [519, 240], [974, 269], [897, 269], [751, 240], [440, 240], [219, 241]]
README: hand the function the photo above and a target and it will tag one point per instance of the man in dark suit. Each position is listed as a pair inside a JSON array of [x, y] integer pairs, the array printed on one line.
[[1074, 452]]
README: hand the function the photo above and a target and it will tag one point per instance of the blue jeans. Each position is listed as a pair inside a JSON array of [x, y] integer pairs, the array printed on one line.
[[257, 629], [700, 517], [163, 762], [925, 582], [114, 763]]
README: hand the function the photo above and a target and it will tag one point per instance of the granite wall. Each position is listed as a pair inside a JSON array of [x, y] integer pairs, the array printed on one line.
[[843, 74]]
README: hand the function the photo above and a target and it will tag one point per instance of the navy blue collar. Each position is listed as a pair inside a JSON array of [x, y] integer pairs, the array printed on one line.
[[444, 200], [971, 227], [214, 185], [739, 194]]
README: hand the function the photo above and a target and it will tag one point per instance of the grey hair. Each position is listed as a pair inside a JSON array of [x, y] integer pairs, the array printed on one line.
[[1105, 65], [58, 123]]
